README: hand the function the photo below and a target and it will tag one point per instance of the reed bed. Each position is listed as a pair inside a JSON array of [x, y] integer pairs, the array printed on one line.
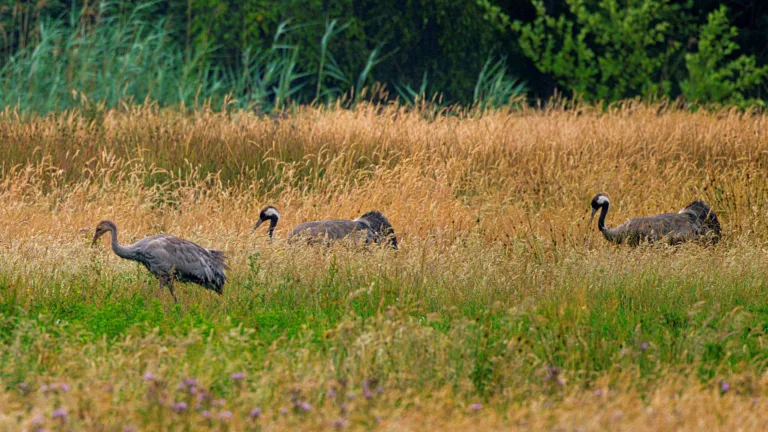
[[502, 309]]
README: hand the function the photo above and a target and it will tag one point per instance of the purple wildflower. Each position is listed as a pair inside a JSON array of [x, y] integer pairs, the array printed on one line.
[[129, 428], [340, 423], [367, 390], [237, 376], [598, 392], [64, 387], [725, 386], [351, 396], [476, 407], [305, 406], [331, 393], [44, 388], [283, 411], [219, 402], [644, 346], [206, 414], [148, 376], [190, 382], [179, 406], [379, 389], [256, 413], [755, 400], [23, 386], [37, 420], [59, 413], [225, 415]]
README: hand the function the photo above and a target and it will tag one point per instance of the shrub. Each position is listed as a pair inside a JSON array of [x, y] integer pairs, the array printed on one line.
[[714, 76], [606, 49]]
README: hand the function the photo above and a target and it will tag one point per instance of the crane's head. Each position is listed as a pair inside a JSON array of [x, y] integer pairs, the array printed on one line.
[[103, 227], [598, 202], [270, 214]]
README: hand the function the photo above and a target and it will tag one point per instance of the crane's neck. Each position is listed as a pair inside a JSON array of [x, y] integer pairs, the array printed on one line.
[[121, 251], [272, 224], [609, 234], [601, 219]]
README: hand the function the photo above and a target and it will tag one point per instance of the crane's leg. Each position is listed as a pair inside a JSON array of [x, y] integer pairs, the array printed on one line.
[[163, 280], [167, 280], [170, 288]]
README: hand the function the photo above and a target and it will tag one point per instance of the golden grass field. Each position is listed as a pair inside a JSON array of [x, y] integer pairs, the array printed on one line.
[[501, 310]]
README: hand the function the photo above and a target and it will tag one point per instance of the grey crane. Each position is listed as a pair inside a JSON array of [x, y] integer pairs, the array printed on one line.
[[171, 259], [696, 221], [370, 227]]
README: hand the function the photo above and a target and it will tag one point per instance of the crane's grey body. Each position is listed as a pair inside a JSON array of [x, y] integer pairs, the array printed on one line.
[[331, 230], [694, 222], [370, 227], [170, 259]]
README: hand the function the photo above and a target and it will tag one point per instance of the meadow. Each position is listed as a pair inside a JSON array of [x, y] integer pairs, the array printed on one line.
[[502, 308]]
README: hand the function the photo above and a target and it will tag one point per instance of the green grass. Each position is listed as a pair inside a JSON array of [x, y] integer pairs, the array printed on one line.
[[622, 323], [715, 323]]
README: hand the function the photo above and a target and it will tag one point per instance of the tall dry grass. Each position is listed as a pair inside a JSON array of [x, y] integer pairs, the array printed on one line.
[[504, 174], [500, 293]]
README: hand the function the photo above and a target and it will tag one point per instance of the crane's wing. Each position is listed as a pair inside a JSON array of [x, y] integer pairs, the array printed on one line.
[[332, 230], [188, 261], [673, 227]]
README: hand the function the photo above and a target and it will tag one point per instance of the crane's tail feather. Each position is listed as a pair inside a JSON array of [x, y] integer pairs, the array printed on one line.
[[381, 227], [217, 278], [707, 217]]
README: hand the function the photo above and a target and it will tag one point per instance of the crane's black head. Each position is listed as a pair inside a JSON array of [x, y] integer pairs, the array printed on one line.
[[270, 214], [599, 201], [103, 227]]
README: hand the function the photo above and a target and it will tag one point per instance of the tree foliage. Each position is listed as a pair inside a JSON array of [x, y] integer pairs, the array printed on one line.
[[606, 49], [601, 50], [714, 75]]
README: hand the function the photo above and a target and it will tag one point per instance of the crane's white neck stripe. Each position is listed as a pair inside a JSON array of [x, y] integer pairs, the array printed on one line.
[[603, 200], [272, 212]]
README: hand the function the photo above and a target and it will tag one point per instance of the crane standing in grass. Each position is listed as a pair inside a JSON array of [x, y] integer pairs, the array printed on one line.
[[694, 222], [370, 227], [171, 259]]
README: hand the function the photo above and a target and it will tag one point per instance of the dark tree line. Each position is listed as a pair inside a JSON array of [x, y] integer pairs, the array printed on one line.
[[443, 45]]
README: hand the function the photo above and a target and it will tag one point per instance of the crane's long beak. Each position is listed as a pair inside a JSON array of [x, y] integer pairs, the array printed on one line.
[[594, 210], [258, 222], [95, 239]]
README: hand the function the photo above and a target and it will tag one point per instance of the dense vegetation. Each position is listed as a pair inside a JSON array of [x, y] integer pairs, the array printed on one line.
[[501, 309], [264, 54]]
